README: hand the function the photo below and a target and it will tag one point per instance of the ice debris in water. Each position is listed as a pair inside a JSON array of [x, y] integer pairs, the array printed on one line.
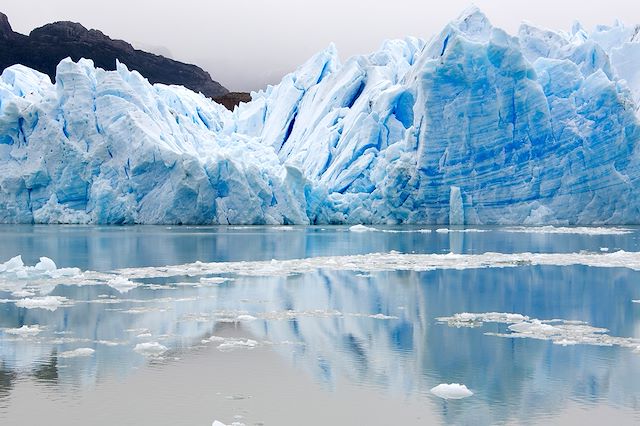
[[230, 344], [25, 330], [467, 319], [583, 230], [122, 285], [150, 349], [636, 301], [219, 423], [560, 332], [77, 353], [471, 126], [451, 391], [50, 303], [361, 228], [366, 263]]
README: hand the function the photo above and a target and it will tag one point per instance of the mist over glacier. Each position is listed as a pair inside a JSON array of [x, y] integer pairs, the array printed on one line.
[[474, 126]]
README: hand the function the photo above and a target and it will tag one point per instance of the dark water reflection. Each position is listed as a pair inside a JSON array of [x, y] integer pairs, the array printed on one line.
[[332, 337]]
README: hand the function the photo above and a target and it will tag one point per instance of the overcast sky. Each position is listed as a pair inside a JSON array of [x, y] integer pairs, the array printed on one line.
[[246, 44]]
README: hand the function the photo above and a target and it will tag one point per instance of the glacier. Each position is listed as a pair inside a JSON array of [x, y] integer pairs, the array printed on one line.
[[474, 126]]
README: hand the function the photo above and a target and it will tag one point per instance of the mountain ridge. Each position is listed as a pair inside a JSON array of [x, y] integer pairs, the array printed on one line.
[[46, 46]]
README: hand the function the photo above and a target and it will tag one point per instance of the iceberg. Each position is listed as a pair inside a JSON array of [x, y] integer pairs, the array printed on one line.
[[451, 391], [474, 126]]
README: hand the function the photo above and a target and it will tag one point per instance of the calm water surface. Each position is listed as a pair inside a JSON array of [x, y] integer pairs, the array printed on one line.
[[322, 347]]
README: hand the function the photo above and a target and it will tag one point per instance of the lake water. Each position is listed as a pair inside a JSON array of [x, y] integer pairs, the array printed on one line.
[[319, 325]]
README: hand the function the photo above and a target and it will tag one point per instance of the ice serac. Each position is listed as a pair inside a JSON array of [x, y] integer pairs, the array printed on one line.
[[473, 126]]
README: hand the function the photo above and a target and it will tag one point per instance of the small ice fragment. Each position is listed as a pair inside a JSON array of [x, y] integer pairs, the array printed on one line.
[[213, 280], [121, 284], [635, 301], [451, 391], [604, 249], [217, 423], [383, 317], [565, 342], [533, 327], [46, 265], [23, 293], [230, 344], [76, 353], [50, 303], [150, 349], [361, 228], [25, 330], [246, 318]]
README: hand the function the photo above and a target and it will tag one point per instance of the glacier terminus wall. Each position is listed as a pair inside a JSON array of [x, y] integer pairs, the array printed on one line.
[[474, 126]]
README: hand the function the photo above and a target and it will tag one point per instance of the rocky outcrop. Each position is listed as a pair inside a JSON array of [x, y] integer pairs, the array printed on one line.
[[46, 46]]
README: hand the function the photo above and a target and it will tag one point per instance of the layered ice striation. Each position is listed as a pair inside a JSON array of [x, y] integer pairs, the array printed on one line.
[[474, 126]]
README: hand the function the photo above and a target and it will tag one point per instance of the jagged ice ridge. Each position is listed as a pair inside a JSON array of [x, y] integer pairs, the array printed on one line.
[[474, 126]]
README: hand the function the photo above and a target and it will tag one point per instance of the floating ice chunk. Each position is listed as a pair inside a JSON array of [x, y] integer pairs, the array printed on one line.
[[231, 344], [23, 293], [565, 342], [361, 228], [246, 318], [150, 349], [383, 317], [50, 303], [535, 327], [122, 284], [214, 280], [463, 231], [562, 332], [284, 228], [77, 353], [583, 230], [467, 319], [46, 265], [25, 330], [635, 301], [12, 265], [213, 339], [604, 249], [451, 391]]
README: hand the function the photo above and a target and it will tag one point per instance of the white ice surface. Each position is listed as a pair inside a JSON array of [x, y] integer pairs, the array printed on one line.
[[77, 353], [560, 332], [451, 391]]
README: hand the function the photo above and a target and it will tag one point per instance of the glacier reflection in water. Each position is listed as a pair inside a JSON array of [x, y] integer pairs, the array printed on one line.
[[376, 330]]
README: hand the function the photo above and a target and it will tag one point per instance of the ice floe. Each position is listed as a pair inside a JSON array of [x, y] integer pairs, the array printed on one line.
[[463, 231], [122, 284], [122, 279], [50, 303], [583, 230], [361, 228], [150, 349], [451, 391], [560, 332], [77, 353], [24, 331]]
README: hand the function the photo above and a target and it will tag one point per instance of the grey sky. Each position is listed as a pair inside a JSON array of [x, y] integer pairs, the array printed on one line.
[[246, 44]]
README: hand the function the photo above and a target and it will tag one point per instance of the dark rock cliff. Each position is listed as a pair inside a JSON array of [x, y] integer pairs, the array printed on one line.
[[46, 46]]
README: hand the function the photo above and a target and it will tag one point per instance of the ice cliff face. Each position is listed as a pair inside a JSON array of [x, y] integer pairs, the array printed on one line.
[[474, 126]]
